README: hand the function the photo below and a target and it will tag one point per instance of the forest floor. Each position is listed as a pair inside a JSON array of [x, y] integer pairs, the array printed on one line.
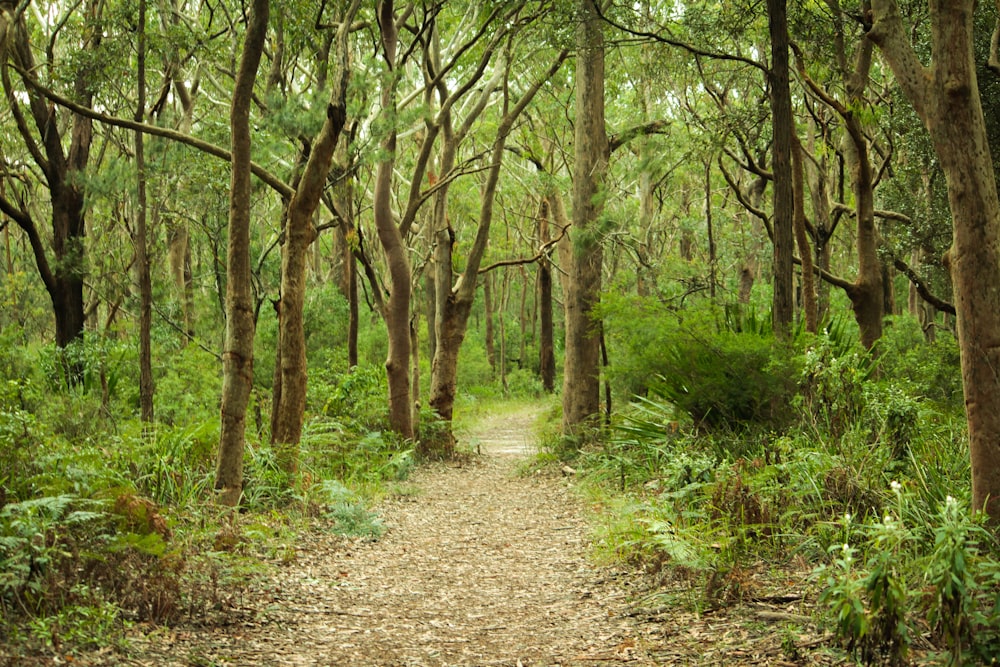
[[482, 564]]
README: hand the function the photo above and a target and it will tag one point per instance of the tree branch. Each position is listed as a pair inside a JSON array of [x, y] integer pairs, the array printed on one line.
[[276, 184], [543, 251], [690, 48], [922, 289], [653, 127]]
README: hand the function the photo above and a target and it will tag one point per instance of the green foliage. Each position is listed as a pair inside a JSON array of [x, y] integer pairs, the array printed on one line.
[[188, 389], [347, 511], [951, 580], [719, 368], [861, 480], [929, 370]]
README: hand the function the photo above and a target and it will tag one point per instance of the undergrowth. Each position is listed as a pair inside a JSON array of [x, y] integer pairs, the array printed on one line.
[[859, 492], [106, 522]]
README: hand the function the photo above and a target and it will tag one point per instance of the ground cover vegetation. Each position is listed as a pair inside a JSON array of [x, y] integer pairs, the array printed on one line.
[[259, 262]]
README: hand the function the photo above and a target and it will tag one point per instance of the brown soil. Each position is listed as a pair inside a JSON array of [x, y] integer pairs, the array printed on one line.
[[481, 566]]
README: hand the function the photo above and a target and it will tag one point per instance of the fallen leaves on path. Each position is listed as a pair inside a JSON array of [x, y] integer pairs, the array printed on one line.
[[481, 566]]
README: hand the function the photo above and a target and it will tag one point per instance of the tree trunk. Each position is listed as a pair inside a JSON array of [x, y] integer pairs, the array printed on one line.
[[709, 230], [502, 319], [581, 372], [546, 337], [299, 234], [783, 129], [946, 97], [397, 308], [491, 350], [809, 304], [351, 268], [415, 369], [523, 343], [237, 359], [141, 242], [65, 176]]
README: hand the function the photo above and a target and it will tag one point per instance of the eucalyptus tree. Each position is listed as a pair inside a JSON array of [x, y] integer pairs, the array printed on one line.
[[238, 353], [397, 308], [581, 369], [783, 130], [56, 145], [290, 399], [143, 278], [456, 295], [946, 96]]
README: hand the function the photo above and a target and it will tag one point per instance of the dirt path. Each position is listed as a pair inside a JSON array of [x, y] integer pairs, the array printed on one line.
[[481, 567]]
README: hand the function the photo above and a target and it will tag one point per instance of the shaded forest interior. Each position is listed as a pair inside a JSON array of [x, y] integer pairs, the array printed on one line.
[[261, 263]]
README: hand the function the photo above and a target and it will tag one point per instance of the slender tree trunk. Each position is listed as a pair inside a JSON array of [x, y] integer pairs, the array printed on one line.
[[397, 308], [946, 97], [491, 350], [502, 319], [546, 333], [299, 235], [581, 373], [141, 243], [415, 361], [809, 304], [782, 123], [523, 343], [351, 268], [237, 359], [709, 230]]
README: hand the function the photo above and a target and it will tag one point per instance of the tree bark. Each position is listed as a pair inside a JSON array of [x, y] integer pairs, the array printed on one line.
[[397, 309], [237, 358], [546, 332], [810, 306], [299, 235], [581, 371], [946, 97], [781, 119], [141, 243]]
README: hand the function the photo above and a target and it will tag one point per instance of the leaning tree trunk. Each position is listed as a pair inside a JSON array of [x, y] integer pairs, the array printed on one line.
[[237, 359], [581, 371], [300, 233], [946, 97], [454, 303]]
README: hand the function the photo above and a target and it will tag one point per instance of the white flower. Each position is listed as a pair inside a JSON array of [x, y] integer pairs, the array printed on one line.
[[895, 486]]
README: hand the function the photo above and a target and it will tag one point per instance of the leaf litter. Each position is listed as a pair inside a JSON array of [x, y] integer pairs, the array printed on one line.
[[481, 566]]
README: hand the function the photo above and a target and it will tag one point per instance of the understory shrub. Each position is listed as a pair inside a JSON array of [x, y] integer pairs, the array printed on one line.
[[720, 368], [867, 481]]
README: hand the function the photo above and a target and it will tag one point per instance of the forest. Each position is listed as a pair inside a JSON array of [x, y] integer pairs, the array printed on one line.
[[739, 262]]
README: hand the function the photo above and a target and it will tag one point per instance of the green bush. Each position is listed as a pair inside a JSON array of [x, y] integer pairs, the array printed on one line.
[[931, 370], [722, 370]]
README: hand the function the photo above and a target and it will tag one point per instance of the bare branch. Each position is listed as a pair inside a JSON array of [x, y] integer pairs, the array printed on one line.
[[922, 289], [543, 251]]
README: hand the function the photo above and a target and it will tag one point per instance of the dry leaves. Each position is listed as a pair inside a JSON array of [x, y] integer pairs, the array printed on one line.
[[482, 567]]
